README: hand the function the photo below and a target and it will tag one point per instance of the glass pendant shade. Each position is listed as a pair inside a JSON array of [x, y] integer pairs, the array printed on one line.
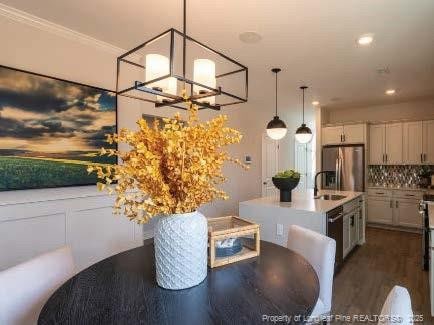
[[204, 73], [303, 134], [276, 128], [158, 66]]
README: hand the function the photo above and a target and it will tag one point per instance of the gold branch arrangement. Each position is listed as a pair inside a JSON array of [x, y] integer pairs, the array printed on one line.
[[171, 168]]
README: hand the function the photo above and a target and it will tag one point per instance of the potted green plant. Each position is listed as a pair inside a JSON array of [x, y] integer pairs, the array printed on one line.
[[286, 181]]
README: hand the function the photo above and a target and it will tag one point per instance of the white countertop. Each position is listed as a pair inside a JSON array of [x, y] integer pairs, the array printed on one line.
[[304, 200]]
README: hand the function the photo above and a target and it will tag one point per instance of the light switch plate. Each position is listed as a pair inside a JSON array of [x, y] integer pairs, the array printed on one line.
[[279, 229]]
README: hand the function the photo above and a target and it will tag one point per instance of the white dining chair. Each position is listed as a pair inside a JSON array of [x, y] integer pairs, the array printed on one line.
[[25, 288], [319, 251], [397, 308]]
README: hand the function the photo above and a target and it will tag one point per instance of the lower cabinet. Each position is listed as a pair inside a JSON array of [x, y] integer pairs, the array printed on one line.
[[346, 243], [406, 213], [353, 230], [397, 209], [360, 226], [380, 210]]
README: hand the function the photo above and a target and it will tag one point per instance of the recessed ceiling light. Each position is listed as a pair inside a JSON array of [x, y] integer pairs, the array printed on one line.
[[315, 102], [250, 37], [365, 39], [390, 91]]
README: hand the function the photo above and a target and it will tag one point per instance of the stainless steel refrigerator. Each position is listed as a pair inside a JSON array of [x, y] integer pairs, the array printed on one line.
[[347, 168]]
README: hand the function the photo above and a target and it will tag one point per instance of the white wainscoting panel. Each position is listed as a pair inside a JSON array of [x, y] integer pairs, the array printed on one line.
[[107, 234], [24, 238], [35, 222]]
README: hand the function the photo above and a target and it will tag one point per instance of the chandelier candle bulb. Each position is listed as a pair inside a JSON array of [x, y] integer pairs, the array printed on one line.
[[204, 73], [157, 66]]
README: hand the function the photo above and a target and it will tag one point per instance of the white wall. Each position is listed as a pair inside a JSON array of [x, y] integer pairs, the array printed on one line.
[[255, 115], [413, 110]]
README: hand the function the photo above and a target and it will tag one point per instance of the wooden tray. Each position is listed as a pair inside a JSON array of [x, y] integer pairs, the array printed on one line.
[[232, 227]]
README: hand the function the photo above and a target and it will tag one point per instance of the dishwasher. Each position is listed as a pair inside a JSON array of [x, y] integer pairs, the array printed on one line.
[[335, 230]]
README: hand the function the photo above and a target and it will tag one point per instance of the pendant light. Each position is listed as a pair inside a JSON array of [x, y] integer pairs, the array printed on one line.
[[276, 128], [303, 133], [161, 59]]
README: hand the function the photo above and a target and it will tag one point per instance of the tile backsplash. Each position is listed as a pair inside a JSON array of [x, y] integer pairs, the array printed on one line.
[[397, 175]]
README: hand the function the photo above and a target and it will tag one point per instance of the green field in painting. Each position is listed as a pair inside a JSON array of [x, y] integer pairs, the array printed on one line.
[[40, 172]]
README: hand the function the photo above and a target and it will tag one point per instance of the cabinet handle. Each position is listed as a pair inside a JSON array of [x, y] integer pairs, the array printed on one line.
[[342, 138], [381, 193], [383, 158], [345, 138], [387, 158], [352, 221], [391, 204], [397, 204], [424, 157], [421, 157], [409, 194]]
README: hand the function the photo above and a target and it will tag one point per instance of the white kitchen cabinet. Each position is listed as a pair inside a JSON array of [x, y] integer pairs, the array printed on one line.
[[354, 133], [350, 237], [385, 144], [353, 229], [380, 210], [332, 135], [397, 207], [377, 140], [406, 213], [412, 143], [346, 241], [394, 144], [360, 225], [344, 134], [428, 142]]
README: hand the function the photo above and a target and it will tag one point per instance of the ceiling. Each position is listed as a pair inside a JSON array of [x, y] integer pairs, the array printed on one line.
[[313, 41]]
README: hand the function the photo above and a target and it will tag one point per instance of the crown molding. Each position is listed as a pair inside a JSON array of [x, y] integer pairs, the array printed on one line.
[[48, 26]]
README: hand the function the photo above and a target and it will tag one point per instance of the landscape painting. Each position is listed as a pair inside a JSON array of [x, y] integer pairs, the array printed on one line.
[[50, 130]]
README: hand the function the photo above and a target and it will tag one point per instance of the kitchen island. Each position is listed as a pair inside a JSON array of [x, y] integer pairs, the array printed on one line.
[[346, 208]]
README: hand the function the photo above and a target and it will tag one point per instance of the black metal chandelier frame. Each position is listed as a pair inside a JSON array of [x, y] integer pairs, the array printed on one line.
[[175, 100]]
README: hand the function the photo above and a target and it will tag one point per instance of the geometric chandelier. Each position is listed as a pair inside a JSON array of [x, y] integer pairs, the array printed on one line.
[[172, 68]]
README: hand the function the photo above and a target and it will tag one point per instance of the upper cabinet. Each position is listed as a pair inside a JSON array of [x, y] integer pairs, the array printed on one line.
[[332, 135], [385, 144], [355, 133], [412, 142], [409, 143], [394, 144], [428, 142], [344, 134], [377, 144]]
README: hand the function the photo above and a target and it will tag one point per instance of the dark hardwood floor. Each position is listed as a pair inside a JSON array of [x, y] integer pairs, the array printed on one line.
[[388, 258]]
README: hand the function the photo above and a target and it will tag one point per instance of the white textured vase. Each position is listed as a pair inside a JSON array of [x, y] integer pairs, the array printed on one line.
[[181, 243]]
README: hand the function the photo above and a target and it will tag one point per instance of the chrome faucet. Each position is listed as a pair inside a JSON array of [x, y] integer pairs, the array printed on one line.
[[315, 189]]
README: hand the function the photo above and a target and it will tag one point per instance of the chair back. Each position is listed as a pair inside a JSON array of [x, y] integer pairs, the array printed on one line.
[[397, 308], [319, 251], [25, 288]]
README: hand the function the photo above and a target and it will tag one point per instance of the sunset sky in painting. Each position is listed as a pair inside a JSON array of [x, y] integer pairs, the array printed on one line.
[[46, 115]]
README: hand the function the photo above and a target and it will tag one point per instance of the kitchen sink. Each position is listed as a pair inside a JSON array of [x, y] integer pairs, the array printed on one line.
[[330, 197]]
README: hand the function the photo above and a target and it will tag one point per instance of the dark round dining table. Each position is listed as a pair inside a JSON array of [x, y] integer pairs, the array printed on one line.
[[122, 290]]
